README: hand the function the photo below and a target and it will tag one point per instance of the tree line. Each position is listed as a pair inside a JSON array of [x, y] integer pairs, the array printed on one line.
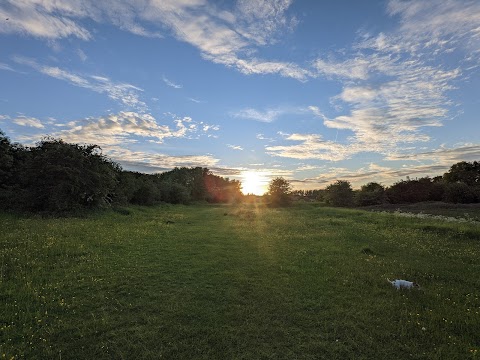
[[55, 177], [461, 184]]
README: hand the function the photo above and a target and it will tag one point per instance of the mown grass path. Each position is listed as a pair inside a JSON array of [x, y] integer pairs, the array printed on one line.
[[219, 282]]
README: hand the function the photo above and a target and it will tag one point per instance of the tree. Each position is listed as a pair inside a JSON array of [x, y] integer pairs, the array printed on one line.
[[371, 194], [339, 193], [417, 190], [62, 177], [279, 191], [460, 192], [6, 159], [466, 172]]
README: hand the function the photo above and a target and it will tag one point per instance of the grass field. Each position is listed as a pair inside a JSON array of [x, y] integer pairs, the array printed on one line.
[[464, 211], [219, 282]]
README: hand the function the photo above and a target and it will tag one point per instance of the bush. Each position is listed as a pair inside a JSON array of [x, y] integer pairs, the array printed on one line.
[[339, 193], [418, 190], [370, 194], [279, 191], [460, 193]]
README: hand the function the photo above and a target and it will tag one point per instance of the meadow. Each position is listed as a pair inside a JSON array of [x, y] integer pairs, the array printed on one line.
[[238, 282]]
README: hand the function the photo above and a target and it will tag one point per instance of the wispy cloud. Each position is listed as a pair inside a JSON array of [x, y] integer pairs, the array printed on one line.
[[6, 67], [372, 172], [396, 85], [224, 34], [355, 69], [439, 25], [125, 93], [155, 162], [28, 121], [230, 36], [271, 114], [429, 163], [311, 146], [82, 55], [235, 147], [258, 115], [394, 104], [121, 137], [120, 129], [307, 167], [171, 83], [51, 19], [48, 19], [444, 156], [259, 21]]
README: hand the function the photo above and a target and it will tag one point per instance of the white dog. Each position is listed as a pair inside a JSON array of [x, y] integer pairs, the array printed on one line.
[[403, 284]]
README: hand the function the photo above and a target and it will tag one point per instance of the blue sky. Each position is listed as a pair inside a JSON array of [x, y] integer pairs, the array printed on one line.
[[311, 91]]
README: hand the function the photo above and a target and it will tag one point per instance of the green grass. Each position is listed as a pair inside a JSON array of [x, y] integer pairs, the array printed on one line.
[[219, 282], [466, 211]]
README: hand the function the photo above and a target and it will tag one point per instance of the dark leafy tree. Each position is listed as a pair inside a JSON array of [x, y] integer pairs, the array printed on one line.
[[279, 191], [371, 194], [6, 159], [6, 170], [126, 187], [465, 172], [201, 185], [340, 193], [174, 193], [417, 190], [459, 192], [12, 173], [61, 177]]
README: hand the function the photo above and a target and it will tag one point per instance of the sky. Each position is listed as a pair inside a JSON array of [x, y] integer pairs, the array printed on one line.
[[313, 91]]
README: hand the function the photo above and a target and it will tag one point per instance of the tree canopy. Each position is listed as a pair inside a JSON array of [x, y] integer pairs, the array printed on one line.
[[279, 191], [55, 177], [340, 193]]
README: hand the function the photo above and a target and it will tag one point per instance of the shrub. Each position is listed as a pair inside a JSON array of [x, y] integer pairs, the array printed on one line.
[[339, 193], [370, 194], [459, 193], [279, 191]]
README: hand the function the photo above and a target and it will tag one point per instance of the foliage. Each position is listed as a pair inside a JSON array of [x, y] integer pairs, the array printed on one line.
[[370, 194], [279, 190], [201, 185], [61, 177], [316, 194], [465, 172], [459, 192], [54, 176], [58, 177], [339, 193], [411, 191]]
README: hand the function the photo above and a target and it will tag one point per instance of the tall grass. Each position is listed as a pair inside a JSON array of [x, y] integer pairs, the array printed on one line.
[[216, 282]]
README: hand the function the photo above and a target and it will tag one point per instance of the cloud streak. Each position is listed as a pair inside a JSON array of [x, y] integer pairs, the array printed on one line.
[[28, 122], [267, 116], [395, 85], [311, 146], [171, 83], [126, 94], [226, 35]]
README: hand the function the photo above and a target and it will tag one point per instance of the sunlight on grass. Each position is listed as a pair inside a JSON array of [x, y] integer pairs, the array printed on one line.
[[215, 282]]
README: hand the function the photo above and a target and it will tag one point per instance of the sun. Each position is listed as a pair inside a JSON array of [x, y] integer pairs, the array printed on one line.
[[254, 182]]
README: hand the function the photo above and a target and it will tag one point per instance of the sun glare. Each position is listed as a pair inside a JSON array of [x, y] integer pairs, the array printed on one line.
[[254, 182]]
